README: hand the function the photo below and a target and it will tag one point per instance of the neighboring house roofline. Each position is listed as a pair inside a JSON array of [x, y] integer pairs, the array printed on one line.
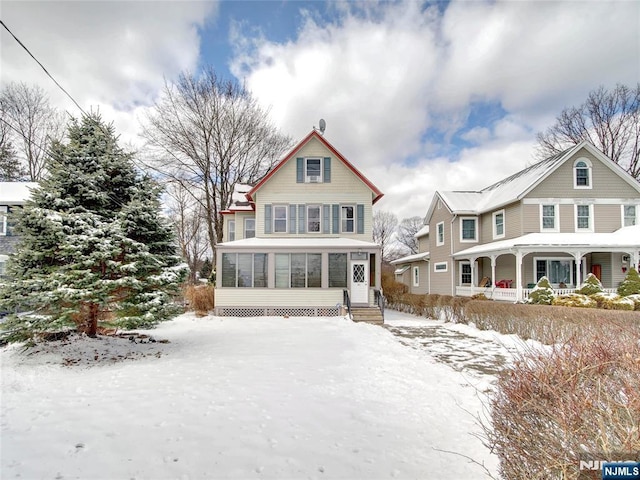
[[411, 258], [314, 134]]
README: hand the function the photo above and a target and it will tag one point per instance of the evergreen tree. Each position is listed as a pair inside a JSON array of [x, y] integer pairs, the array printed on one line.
[[93, 247], [542, 294], [591, 285], [205, 271], [631, 283]]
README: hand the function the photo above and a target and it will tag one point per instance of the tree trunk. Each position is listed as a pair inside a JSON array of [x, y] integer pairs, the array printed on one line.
[[92, 321]]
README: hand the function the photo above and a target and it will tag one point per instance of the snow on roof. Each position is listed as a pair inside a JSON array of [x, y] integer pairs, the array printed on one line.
[[401, 270], [239, 200], [305, 242], [411, 258], [15, 193], [422, 232], [626, 237]]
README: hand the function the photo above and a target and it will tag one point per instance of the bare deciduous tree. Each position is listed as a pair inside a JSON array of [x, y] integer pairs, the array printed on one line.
[[212, 134], [187, 216], [34, 125], [11, 169], [610, 120], [384, 228], [406, 234]]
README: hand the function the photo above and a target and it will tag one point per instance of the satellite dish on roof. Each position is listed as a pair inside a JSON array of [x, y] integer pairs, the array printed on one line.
[[323, 125]]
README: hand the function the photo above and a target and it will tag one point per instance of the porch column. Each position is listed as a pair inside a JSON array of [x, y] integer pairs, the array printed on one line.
[[493, 271], [578, 259], [472, 261], [519, 276]]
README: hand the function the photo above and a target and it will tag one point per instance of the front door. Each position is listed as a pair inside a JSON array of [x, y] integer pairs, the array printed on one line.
[[359, 282]]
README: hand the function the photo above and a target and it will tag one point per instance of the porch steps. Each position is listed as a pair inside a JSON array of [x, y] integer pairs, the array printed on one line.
[[371, 315]]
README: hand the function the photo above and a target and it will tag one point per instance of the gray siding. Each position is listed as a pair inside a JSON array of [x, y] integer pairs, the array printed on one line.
[[440, 281], [512, 223]]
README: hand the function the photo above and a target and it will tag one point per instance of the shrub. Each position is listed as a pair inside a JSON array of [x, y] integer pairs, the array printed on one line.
[[575, 300], [479, 296], [542, 294], [591, 285], [631, 283], [611, 301], [392, 289], [578, 397], [636, 301], [200, 298]]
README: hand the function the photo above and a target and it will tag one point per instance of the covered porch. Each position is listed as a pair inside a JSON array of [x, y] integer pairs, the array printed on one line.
[[508, 270]]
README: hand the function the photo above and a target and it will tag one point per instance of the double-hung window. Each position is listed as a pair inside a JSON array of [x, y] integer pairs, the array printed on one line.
[[440, 234], [468, 230], [498, 224], [313, 218], [582, 173], [280, 218], [249, 227], [465, 273], [629, 215], [231, 230], [3, 219], [313, 170], [348, 218], [549, 218], [584, 218]]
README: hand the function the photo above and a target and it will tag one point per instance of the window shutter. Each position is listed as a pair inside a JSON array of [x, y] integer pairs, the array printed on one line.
[[267, 219], [336, 218], [360, 219], [327, 170], [300, 170], [302, 224], [292, 219], [326, 214]]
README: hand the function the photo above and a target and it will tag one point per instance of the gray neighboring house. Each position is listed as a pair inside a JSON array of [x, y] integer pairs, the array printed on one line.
[[413, 270], [564, 217], [12, 196]]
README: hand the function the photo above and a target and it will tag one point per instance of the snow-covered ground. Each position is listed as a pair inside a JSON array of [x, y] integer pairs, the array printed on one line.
[[281, 398]]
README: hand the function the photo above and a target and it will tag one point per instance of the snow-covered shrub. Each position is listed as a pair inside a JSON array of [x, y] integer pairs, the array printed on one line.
[[575, 300], [591, 285], [552, 404], [611, 301], [636, 300], [542, 294], [631, 283]]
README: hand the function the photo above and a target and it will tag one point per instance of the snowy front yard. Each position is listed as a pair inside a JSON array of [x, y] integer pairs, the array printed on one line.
[[239, 398]]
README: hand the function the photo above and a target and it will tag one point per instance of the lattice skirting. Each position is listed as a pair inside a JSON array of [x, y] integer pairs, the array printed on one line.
[[277, 311]]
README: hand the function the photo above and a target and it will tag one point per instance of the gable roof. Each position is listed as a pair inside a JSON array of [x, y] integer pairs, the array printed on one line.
[[239, 202], [516, 186], [377, 194]]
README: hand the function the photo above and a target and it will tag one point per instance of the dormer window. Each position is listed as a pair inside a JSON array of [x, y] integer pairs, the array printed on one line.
[[313, 170], [582, 173]]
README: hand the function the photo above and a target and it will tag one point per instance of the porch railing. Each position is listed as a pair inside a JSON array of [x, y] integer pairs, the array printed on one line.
[[509, 294], [379, 300], [346, 301]]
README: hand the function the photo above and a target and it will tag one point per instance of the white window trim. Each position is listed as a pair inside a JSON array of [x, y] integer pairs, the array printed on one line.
[[446, 267], [475, 230], [637, 209], [319, 207], [591, 219], [589, 172], [245, 226], [571, 260], [556, 210], [460, 264], [438, 242], [286, 218], [416, 276], [353, 219], [307, 177], [493, 222], [229, 231], [4, 210]]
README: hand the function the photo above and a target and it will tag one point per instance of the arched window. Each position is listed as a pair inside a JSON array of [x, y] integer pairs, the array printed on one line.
[[582, 173]]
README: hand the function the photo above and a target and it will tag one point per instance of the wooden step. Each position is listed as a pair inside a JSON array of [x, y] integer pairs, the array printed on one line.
[[371, 315]]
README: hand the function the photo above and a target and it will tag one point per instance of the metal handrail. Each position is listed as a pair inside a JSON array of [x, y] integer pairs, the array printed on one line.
[[346, 301], [379, 300]]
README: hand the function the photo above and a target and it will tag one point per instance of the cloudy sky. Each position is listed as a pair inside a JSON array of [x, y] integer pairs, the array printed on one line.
[[419, 95]]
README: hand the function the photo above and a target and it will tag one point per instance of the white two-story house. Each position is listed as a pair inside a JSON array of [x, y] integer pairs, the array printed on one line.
[[300, 241], [566, 216], [12, 195]]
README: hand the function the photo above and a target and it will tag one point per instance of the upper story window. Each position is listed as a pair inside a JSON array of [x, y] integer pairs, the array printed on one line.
[[584, 218], [440, 234], [313, 170], [313, 218], [249, 227], [3, 219], [582, 173], [498, 224], [629, 215], [347, 216], [280, 218], [231, 230], [468, 230], [549, 221]]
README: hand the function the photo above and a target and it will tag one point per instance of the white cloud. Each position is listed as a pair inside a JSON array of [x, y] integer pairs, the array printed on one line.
[[388, 76], [107, 55]]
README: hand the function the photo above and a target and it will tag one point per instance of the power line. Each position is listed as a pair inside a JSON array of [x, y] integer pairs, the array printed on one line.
[[43, 68]]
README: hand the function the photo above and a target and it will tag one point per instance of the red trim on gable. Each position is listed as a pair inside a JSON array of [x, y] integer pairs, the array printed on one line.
[[378, 194]]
